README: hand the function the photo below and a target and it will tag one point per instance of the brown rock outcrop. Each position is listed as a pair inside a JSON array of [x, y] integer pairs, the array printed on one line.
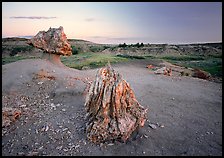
[[112, 109]]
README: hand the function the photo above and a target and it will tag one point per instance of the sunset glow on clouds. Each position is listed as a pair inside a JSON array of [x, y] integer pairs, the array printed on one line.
[[107, 22]]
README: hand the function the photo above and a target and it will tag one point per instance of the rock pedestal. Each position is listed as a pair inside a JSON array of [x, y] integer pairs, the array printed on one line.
[[112, 109], [53, 42]]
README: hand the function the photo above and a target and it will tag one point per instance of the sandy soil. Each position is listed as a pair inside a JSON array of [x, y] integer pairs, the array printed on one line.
[[184, 117]]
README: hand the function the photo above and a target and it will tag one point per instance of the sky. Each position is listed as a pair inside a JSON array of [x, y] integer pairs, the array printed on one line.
[[117, 22]]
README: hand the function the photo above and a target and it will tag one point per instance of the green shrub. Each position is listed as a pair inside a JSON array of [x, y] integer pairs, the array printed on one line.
[[96, 48], [18, 49], [122, 45], [130, 56], [74, 50]]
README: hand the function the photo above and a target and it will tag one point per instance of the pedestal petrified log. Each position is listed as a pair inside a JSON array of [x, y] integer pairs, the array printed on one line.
[[53, 42], [112, 109]]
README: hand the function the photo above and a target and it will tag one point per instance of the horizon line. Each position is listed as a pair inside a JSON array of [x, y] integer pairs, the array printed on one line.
[[182, 43]]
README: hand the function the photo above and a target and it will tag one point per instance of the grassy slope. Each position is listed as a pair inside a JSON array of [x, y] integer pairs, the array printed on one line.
[[90, 60], [211, 64]]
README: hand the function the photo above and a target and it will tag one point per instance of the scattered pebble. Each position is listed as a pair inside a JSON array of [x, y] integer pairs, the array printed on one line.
[[46, 129], [152, 126], [209, 132], [65, 149], [59, 147], [21, 153], [33, 153], [22, 106], [47, 96], [110, 144], [40, 147], [77, 146], [57, 104]]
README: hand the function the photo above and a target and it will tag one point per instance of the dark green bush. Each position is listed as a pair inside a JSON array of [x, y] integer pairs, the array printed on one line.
[[18, 49], [130, 56], [122, 45], [74, 50]]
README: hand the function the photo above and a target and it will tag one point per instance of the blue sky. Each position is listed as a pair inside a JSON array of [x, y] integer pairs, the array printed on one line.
[[117, 22]]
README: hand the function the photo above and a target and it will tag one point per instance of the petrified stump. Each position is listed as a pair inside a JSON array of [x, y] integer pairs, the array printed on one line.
[[53, 42], [112, 109]]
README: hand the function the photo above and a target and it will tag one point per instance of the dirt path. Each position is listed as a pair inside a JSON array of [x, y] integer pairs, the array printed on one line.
[[184, 118]]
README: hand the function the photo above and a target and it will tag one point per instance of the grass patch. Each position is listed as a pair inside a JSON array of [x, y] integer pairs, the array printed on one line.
[[211, 64], [130, 56], [182, 58], [10, 59], [90, 60]]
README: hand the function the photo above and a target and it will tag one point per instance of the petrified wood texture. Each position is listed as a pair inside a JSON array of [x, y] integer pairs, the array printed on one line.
[[54, 41], [112, 109]]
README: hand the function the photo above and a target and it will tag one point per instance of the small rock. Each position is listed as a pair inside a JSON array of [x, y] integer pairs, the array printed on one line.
[[110, 144], [59, 147], [40, 82], [65, 129], [143, 152], [146, 136], [21, 153], [46, 129], [162, 126], [40, 147], [33, 153], [22, 106], [65, 149], [52, 105], [36, 143], [152, 126], [69, 132], [63, 110], [77, 146]]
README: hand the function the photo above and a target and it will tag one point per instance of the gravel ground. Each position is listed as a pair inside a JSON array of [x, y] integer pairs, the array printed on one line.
[[184, 117]]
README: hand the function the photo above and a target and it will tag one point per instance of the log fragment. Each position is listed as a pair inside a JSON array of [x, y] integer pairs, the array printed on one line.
[[113, 112]]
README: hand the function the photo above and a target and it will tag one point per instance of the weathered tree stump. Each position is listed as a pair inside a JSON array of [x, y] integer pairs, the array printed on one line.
[[112, 109]]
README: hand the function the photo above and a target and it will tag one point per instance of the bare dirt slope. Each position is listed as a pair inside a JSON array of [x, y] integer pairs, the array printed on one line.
[[184, 118]]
